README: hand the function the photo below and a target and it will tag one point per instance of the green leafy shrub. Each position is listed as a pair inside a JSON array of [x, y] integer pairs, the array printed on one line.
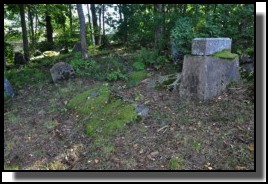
[[27, 76], [44, 46], [176, 163], [85, 68], [136, 77], [138, 66], [117, 75], [6, 97], [247, 76], [9, 53], [146, 56], [182, 34]]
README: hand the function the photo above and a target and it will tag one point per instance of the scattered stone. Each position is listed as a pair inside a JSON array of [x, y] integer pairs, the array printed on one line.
[[64, 51], [50, 53], [94, 94], [154, 154], [77, 47], [209, 46], [61, 71], [247, 63], [37, 53], [19, 59], [8, 88], [142, 110]]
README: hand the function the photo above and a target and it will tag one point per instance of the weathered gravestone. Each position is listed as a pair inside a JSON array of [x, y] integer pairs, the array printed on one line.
[[19, 59], [64, 51], [61, 71], [37, 53], [77, 47], [8, 88], [205, 76]]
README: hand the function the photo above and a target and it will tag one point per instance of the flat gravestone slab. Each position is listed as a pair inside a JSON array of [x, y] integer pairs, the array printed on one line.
[[208, 46]]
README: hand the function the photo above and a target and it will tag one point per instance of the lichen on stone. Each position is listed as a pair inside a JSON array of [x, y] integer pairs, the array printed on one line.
[[225, 54]]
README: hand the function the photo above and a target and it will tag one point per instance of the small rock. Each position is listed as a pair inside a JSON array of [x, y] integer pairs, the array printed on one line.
[[96, 161], [61, 71], [94, 94], [142, 110], [154, 154], [37, 53], [8, 88]]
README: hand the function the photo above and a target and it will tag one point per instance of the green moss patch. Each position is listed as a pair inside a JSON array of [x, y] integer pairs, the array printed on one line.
[[136, 77], [105, 115], [225, 54], [176, 163]]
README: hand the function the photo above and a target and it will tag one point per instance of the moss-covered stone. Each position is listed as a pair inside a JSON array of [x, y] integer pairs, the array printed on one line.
[[105, 115], [50, 53], [225, 54], [136, 77]]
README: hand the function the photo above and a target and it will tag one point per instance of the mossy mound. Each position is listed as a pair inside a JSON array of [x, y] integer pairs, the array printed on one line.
[[105, 115], [135, 77], [225, 54]]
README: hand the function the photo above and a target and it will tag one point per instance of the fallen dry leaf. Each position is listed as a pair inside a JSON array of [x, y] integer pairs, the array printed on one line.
[[209, 168], [96, 161], [251, 147]]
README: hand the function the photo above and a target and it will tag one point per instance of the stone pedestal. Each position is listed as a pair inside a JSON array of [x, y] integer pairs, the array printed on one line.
[[204, 77], [208, 46]]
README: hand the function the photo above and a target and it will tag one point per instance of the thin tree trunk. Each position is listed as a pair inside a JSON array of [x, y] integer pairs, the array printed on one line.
[[99, 31], [82, 31], [30, 16], [120, 13], [24, 32], [89, 19], [103, 25], [158, 9], [90, 26], [95, 25], [70, 18], [49, 28]]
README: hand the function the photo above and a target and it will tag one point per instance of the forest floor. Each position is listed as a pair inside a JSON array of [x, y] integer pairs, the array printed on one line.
[[41, 133]]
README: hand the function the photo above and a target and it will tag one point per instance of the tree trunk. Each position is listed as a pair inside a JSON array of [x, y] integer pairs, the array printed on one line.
[[30, 16], [71, 18], [125, 19], [24, 32], [120, 13], [35, 29], [103, 25], [82, 31], [99, 31], [90, 26], [158, 10], [49, 28], [94, 20]]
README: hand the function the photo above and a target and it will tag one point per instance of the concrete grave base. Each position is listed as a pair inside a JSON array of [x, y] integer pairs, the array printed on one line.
[[204, 77]]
